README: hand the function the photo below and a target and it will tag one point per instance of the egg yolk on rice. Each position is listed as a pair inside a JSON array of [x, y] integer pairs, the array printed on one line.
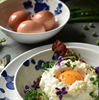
[[70, 77]]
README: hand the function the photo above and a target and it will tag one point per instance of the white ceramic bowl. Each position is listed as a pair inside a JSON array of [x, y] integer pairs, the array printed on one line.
[[30, 70], [58, 8]]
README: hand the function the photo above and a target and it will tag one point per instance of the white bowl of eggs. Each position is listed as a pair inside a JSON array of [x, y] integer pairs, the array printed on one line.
[[48, 76], [32, 21]]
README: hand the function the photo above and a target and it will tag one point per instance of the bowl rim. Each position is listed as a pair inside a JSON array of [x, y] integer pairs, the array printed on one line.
[[16, 73], [65, 6]]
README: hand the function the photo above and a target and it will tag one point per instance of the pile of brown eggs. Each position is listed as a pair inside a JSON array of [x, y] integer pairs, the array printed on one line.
[[21, 22]]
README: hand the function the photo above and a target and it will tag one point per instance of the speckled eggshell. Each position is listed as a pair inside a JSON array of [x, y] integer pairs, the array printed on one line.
[[46, 18]]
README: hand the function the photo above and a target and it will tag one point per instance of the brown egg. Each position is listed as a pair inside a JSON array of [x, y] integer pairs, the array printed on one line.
[[16, 18], [46, 18], [29, 26]]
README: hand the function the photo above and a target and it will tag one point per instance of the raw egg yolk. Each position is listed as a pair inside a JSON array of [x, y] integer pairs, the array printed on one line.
[[70, 77]]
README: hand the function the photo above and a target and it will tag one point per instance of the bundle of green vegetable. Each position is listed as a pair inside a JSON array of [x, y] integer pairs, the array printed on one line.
[[81, 13], [3, 39]]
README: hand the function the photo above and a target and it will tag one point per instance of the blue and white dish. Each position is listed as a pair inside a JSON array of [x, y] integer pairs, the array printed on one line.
[[58, 8], [7, 92], [30, 70]]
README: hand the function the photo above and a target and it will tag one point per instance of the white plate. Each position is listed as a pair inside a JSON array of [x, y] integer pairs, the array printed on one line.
[[7, 91]]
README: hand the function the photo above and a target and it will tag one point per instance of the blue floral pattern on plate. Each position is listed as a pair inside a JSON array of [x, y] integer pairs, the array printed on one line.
[[55, 56], [38, 66], [26, 63], [33, 61], [9, 80], [2, 90], [58, 9], [28, 4], [5, 98], [41, 5]]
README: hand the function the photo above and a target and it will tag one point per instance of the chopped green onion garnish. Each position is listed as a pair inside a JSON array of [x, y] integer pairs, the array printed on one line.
[[72, 59], [68, 54], [92, 67], [67, 64], [79, 56], [91, 79], [73, 53], [94, 83], [97, 79], [91, 94], [74, 66]]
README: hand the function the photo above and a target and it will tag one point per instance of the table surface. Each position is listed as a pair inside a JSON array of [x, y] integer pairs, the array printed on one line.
[[70, 33]]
